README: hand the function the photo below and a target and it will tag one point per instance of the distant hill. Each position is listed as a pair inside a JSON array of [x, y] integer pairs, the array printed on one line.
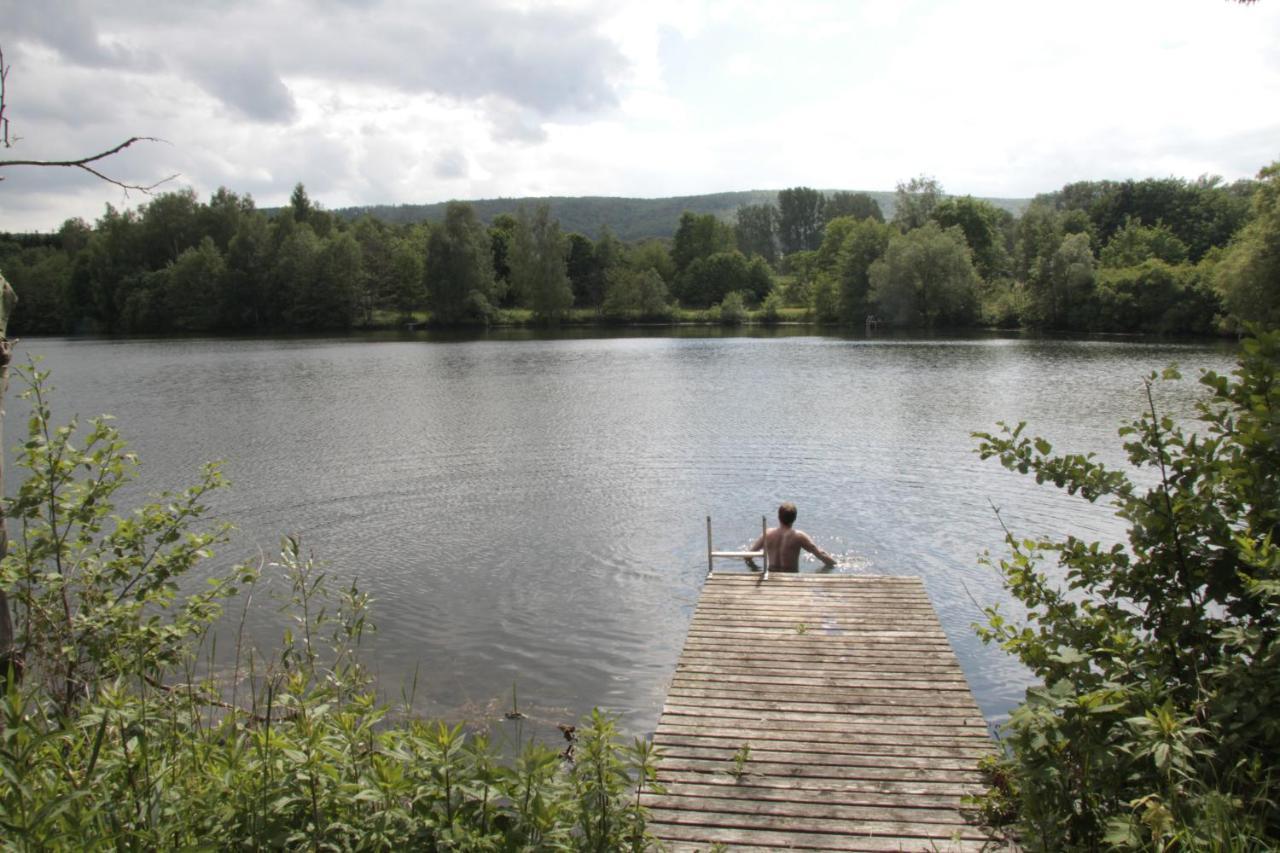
[[629, 218]]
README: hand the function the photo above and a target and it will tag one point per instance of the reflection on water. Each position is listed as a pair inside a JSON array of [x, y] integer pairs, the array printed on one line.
[[527, 510]]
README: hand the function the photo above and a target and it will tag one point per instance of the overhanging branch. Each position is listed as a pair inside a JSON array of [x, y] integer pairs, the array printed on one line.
[[83, 163], [80, 163]]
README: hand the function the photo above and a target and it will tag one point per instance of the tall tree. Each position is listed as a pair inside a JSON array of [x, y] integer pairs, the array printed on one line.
[[863, 245], [855, 205], [580, 262], [756, 231], [914, 202], [501, 230], [194, 288], [1135, 243], [300, 204], [459, 268], [1062, 291], [245, 305], [980, 222], [407, 262], [1249, 276], [699, 236], [800, 219], [539, 272], [926, 278]]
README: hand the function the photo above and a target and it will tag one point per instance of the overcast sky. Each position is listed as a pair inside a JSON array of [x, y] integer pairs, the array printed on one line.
[[391, 101]]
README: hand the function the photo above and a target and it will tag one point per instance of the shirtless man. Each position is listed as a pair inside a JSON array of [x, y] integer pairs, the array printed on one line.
[[783, 543]]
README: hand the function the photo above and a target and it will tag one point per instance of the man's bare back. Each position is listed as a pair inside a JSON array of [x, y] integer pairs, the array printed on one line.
[[782, 544]]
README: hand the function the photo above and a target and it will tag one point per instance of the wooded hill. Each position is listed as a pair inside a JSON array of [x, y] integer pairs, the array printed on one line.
[[629, 218]]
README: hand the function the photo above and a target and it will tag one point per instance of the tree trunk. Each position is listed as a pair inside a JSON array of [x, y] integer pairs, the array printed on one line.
[[8, 657]]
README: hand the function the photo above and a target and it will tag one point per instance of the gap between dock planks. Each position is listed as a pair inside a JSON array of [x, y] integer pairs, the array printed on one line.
[[859, 729]]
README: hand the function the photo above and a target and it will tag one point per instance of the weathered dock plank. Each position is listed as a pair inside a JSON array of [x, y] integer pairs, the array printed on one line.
[[817, 712]]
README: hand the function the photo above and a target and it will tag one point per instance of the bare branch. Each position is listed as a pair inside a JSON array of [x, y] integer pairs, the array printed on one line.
[[80, 163], [83, 163]]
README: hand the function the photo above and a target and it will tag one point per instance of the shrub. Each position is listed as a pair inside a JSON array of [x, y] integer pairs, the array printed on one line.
[[733, 310], [1154, 725], [112, 742]]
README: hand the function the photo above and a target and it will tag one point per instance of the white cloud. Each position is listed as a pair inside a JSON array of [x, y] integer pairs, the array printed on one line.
[[390, 101]]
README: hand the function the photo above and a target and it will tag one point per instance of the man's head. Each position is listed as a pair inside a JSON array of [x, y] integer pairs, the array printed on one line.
[[787, 513]]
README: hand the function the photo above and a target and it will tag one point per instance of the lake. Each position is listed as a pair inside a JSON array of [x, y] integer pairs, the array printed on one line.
[[529, 510]]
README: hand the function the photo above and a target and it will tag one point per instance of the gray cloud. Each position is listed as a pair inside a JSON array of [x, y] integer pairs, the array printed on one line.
[[513, 122], [552, 63], [451, 163], [65, 26], [247, 83]]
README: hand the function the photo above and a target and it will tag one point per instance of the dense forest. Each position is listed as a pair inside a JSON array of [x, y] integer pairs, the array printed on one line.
[[1156, 255], [630, 219]]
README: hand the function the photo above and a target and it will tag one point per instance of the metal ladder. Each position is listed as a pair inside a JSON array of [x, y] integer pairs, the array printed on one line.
[[763, 553]]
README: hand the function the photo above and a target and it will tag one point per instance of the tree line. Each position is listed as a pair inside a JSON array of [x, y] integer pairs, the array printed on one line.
[[1158, 255]]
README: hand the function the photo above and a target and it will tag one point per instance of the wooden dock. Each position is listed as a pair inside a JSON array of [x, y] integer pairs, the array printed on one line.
[[817, 712]]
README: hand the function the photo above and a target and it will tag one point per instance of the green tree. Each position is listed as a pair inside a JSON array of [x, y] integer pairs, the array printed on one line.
[[732, 309], [709, 280], [914, 202], [407, 263], [295, 264], [40, 277], [865, 244], [1135, 243], [756, 230], [647, 255], [1061, 294], [168, 225], [1249, 275], [1202, 214], [377, 285], [113, 252], [1142, 298], [330, 297], [580, 264], [699, 236], [245, 304], [459, 267], [926, 278], [825, 297], [220, 218], [194, 288], [611, 253], [300, 204], [1158, 659], [800, 218], [833, 237], [982, 225], [855, 205], [501, 231], [539, 273], [633, 294]]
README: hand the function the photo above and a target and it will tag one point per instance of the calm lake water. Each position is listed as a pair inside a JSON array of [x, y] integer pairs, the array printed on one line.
[[530, 511]]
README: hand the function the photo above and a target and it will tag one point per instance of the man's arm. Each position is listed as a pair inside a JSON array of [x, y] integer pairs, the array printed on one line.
[[808, 544], [757, 545]]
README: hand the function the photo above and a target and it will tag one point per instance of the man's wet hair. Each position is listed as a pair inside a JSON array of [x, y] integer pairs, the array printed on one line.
[[787, 513]]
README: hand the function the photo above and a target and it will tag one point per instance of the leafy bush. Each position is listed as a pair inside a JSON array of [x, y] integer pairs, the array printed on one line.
[[110, 741], [771, 308], [1155, 724], [733, 309]]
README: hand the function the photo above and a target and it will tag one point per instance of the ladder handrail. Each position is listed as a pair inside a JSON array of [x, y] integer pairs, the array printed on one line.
[[763, 553]]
